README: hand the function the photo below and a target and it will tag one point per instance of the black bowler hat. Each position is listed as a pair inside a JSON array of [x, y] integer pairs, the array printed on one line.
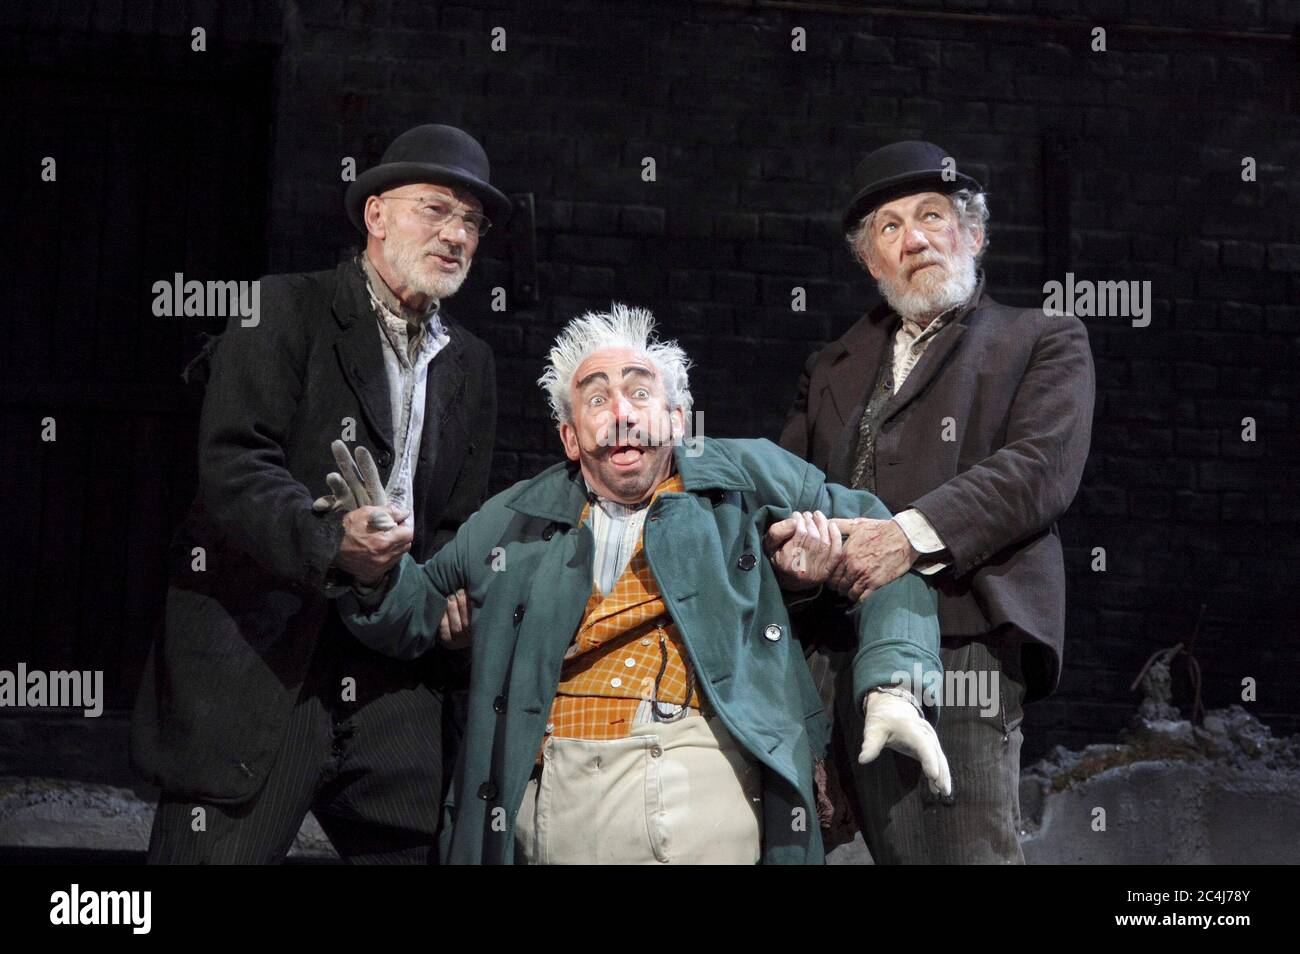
[[443, 155], [900, 169]]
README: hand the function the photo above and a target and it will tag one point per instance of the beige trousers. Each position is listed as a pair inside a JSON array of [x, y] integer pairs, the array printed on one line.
[[670, 793]]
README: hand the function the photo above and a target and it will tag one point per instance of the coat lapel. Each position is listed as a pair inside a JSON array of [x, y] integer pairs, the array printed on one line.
[[851, 374], [937, 352], [932, 359], [360, 357], [443, 437], [863, 347]]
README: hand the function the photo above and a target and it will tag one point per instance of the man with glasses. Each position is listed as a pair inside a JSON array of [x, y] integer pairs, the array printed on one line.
[[256, 704]]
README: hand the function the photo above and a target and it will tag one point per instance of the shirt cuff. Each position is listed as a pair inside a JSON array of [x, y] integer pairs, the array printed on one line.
[[924, 539]]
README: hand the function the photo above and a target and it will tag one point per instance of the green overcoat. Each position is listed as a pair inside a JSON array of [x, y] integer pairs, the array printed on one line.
[[527, 567]]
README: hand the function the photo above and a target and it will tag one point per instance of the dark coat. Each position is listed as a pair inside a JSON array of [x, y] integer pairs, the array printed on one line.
[[238, 637], [1018, 387]]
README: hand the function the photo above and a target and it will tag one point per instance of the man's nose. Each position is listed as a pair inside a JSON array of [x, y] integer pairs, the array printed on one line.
[[625, 409], [453, 231], [914, 240]]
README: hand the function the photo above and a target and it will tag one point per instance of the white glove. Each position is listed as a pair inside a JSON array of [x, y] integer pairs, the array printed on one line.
[[357, 486], [893, 722]]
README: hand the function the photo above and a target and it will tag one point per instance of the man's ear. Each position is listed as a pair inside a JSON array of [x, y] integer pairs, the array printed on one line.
[[976, 240], [373, 214], [677, 422], [866, 261], [569, 438]]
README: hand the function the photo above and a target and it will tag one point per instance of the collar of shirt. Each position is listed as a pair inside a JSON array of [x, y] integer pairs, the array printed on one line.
[[616, 528], [409, 333]]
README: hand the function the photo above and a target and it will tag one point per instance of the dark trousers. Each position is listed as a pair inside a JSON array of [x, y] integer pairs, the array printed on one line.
[[364, 752], [901, 822]]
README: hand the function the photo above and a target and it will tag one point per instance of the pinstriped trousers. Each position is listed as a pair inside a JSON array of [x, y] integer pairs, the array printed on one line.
[[901, 822], [370, 768]]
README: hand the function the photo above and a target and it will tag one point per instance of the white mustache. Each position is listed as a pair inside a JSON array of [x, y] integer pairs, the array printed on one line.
[[447, 253]]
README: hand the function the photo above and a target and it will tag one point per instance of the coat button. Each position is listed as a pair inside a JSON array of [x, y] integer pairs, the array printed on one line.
[[383, 458], [549, 531], [747, 561], [773, 632], [656, 751], [487, 791], [499, 704], [519, 614]]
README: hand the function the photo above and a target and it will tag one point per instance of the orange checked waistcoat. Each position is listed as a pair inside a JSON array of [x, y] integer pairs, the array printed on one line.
[[625, 647]]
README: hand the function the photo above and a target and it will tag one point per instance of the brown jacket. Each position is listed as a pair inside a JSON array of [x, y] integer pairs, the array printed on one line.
[[1015, 389]]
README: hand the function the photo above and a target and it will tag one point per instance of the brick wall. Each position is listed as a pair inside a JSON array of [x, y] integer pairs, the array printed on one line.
[[1116, 165]]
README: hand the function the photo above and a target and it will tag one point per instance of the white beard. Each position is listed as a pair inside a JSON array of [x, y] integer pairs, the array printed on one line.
[[408, 263], [930, 295]]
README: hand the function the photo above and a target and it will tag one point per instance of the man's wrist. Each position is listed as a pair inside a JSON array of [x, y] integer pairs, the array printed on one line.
[[928, 550], [895, 691]]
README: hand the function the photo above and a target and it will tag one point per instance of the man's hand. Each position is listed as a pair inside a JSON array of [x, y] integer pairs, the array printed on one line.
[[453, 631], [357, 486], [803, 548], [373, 536], [875, 553], [893, 722], [368, 553]]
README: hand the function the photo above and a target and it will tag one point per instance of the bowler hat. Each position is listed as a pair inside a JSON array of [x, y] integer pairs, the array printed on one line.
[[443, 155], [900, 169]]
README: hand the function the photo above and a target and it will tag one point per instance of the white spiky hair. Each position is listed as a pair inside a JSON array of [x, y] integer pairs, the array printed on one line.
[[620, 327]]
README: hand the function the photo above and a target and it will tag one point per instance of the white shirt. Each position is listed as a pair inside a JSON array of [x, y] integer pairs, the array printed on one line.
[[406, 359]]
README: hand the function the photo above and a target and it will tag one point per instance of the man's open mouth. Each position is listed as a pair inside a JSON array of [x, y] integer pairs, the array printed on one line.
[[626, 455]]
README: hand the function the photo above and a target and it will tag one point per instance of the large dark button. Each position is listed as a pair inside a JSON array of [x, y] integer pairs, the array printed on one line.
[[747, 561], [383, 458], [549, 531], [519, 614], [487, 791], [499, 704]]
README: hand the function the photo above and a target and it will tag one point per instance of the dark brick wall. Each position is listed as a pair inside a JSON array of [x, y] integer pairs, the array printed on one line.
[[1115, 165]]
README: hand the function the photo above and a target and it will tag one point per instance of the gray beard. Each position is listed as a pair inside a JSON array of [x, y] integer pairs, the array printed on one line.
[[923, 304], [408, 265]]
